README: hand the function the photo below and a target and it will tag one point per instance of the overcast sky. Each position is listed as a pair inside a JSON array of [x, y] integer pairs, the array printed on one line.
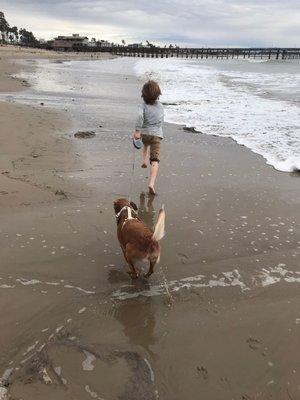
[[192, 23]]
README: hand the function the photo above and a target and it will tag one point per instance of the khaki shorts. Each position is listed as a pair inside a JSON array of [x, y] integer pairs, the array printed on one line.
[[154, 143]]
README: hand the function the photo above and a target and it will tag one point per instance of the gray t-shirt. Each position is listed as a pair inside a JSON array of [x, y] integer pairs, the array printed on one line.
[[150, 119]]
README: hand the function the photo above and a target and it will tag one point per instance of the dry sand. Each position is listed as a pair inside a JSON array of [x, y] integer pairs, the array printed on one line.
[[219, 319]]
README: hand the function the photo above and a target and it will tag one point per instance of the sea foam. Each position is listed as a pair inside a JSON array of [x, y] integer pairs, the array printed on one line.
[[236, 101]]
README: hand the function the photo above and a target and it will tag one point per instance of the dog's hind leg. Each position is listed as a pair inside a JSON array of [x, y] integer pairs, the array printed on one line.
[[124, 252], [129, 259], [151, 268], [132, 271]]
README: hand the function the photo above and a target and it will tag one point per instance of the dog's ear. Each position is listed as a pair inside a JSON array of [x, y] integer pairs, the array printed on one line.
[[133, 205], [117, 206]]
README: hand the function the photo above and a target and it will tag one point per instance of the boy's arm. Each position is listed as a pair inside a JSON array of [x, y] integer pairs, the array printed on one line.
[[139, 122]]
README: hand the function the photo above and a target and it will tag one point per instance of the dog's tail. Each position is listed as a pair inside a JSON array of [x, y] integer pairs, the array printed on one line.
[[159, 230]]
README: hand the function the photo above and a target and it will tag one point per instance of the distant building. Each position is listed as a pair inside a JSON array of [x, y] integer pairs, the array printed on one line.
[[68, 43], [92, 43], [104, 43], [136, 45]]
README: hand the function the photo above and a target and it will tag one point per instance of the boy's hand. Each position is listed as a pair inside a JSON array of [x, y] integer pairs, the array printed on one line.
[[136, 135]]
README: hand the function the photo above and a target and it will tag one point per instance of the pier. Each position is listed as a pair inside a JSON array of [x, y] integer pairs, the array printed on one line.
[[202, 53]]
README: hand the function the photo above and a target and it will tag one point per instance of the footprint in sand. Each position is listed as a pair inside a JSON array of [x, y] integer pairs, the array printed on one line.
[[255, 344], [182, 257], [203, 372]]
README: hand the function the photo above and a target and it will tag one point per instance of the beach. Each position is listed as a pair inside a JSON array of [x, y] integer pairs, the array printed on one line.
[[219, 319]]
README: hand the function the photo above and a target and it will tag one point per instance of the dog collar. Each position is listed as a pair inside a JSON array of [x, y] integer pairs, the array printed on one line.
[[129, 211], [129, 215], [120, 212]]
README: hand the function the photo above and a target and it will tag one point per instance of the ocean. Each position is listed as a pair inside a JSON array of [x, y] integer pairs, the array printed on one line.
[[255, 102]]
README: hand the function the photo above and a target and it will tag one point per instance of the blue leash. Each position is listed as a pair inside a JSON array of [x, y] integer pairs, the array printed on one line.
[[137, 144]]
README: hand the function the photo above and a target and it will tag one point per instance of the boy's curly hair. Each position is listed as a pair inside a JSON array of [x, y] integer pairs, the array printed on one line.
[[151, 92]]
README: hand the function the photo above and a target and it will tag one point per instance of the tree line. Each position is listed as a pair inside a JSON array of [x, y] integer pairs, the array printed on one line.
[[14, 35], [23, 37]]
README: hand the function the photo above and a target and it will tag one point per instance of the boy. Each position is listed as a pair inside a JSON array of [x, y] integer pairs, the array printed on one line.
[[149, 127]]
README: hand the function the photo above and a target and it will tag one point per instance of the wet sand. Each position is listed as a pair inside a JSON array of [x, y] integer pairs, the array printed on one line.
[[219, 319]]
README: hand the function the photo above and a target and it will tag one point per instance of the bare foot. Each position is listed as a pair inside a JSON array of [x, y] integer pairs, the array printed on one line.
[[151, 190]]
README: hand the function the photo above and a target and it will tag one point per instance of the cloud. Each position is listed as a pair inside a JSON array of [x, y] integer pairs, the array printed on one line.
[[193, 23]]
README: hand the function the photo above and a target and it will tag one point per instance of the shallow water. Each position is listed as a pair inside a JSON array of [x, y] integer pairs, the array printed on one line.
[[256, 102]]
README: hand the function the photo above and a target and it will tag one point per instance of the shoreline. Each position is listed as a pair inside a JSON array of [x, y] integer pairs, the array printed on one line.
[[65, 57], [10, 54], [44, 128], [228, 328], [294, 173]]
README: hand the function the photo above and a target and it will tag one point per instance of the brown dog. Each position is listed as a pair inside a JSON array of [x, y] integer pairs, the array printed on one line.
[[137, 240]]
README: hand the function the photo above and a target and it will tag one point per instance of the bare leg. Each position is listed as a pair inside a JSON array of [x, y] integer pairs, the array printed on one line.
[[144, 160], [153, 175]]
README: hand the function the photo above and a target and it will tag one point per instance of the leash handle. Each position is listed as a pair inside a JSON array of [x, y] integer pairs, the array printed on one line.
[[137, 143]]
